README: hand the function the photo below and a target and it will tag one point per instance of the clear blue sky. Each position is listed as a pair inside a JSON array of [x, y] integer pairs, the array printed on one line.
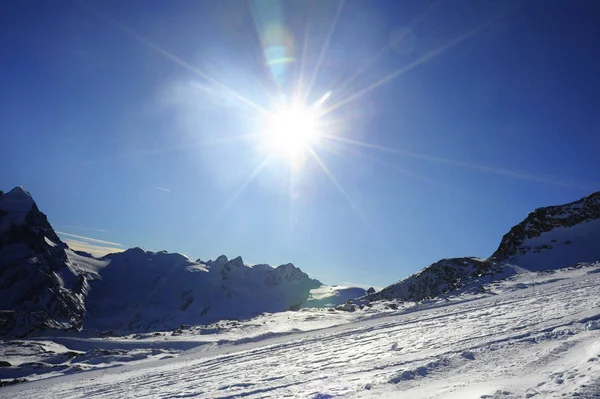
[[105, 105]]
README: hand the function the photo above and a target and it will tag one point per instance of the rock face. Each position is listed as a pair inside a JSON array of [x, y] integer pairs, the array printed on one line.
[[38, 288], [554, 237], [439, 278]]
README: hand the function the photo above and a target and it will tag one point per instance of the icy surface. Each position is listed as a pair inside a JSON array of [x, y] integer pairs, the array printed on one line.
[[535, 337]]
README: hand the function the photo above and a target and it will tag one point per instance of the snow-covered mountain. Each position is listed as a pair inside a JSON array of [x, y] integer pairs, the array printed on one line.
[[140, 290], [44, 284], [39, 289], [514, 333], [549, 238], [554, 237]]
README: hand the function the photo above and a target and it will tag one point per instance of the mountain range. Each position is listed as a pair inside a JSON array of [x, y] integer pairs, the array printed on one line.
[[46, 285]]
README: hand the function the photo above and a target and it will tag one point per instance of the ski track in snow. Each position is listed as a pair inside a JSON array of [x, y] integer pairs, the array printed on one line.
[[528, 343]]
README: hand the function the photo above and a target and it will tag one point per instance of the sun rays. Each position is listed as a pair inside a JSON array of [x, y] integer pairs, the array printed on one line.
[[291, 125]]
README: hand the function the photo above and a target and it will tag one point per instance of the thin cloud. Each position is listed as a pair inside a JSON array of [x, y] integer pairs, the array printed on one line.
[[84, 228], [96, 250], [89, 239], [161, 189]]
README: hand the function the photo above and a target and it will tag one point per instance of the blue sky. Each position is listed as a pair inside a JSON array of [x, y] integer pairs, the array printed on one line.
[[124, 121]]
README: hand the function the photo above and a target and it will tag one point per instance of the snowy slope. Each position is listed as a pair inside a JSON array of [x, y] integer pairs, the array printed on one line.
[[149, 291], [560, 247], [66, 353], [331, 296], [540, 342], [554, 237]]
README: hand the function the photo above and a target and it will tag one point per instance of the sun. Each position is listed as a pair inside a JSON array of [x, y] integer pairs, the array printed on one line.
[[292, 131]]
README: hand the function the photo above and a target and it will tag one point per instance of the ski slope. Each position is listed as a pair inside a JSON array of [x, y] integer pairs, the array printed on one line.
[[538, 341]]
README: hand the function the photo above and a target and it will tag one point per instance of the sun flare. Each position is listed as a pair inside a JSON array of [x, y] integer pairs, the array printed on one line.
[[292, 131]]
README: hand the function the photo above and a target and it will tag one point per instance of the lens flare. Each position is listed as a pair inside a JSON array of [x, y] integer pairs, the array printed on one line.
[[292, 131]]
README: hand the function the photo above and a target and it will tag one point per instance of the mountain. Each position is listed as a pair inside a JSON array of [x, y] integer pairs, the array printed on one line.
[[554, 237], [443, 276], [39, 287], [44, 284], [140, 290], [549, 238]]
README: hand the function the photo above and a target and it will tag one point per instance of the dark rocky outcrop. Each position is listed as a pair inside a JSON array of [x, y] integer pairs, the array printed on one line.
[[543, 220], [439, 278], [38, 289]]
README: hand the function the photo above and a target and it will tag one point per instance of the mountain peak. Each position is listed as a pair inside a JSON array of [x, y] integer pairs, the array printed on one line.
[[14, 208], [18, 193], [553, 227], [238, 261], [221, 259], [16, 200], [289, 272]]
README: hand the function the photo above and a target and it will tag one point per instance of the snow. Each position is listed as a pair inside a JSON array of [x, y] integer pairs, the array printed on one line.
[[87, 264], [142, 291], [561, 247], [15, 205], [450, 275], [531, 335], [49, 242], [331, 296], [36, 359], [462, 327]]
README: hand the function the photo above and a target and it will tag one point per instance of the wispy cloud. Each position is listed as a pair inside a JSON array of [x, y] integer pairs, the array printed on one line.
[[89, 239], [84, 228], [161, 189], [96, 250], [91, 245]]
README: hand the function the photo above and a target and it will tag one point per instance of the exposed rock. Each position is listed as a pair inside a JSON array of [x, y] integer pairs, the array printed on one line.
[[14, 381], [221, 259], [39, 289], [346, 307], [544, 220], [439, 278]]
